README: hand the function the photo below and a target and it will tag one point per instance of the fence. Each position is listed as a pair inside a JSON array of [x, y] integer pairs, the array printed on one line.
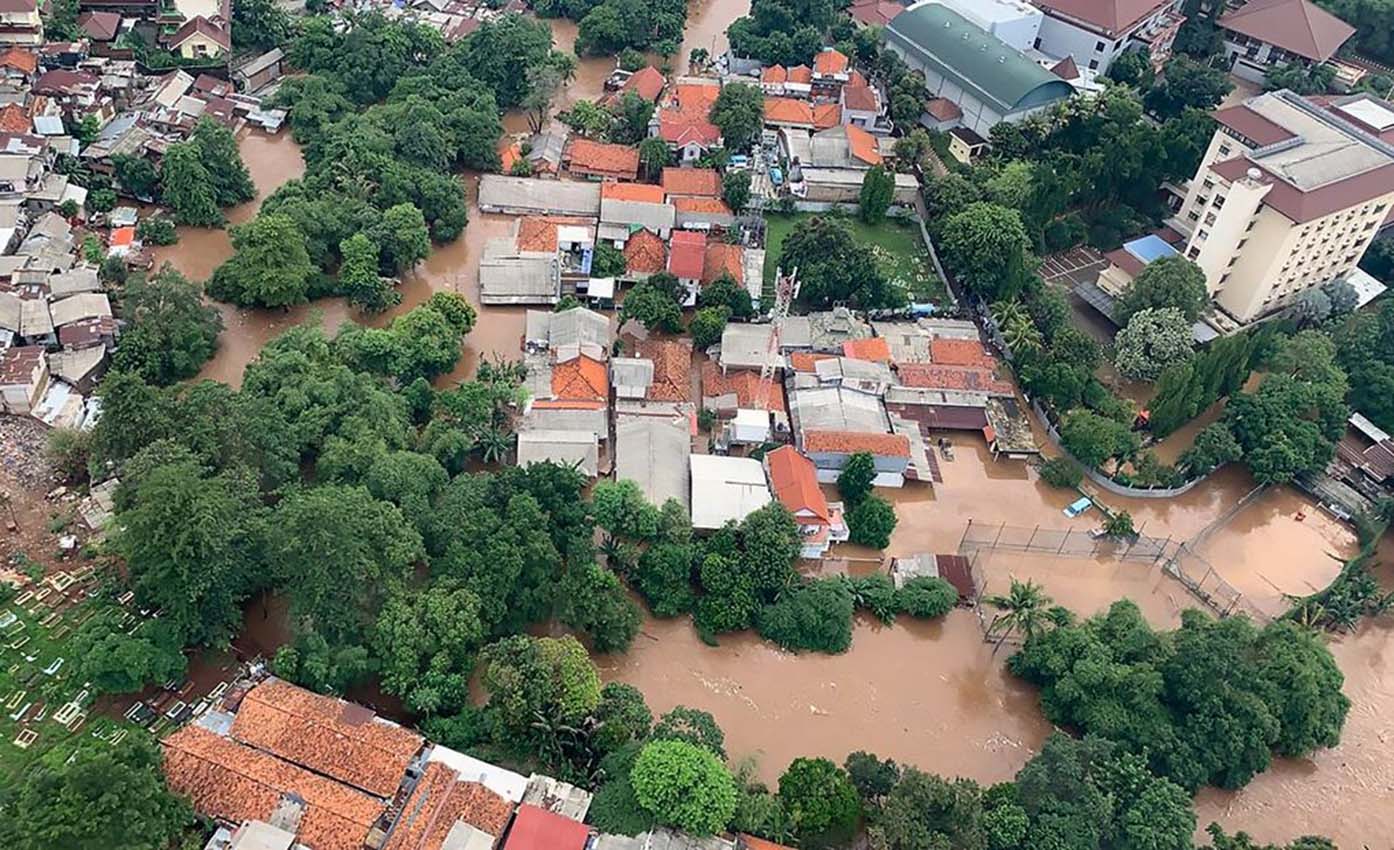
[[1069, 542], [1200, 578]]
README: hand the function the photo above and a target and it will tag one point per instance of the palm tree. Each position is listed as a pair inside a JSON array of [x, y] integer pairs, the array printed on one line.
[[494, 444], [1026, 609]]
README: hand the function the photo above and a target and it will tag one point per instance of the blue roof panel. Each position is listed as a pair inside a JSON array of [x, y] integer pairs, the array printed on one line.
[[1149, 248]]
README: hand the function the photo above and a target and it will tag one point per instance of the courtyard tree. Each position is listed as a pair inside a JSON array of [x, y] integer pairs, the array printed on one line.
[[685, 786], [855, 480], [1093, 439], [654, 156], [1167, 282], [735, 189], [835, 268], [816, 616], [872, 522], [739, 112], [928, 597], [537, 687], [987, 245], [1024, 610], [878, 189], [1153, 340], [653, 307], [707, 326]]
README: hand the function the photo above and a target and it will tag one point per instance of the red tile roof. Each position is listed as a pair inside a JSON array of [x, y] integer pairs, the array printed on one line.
[[875, 12], [787, 110], [13, 119], [710, 206], [875, 349], [687, 118], [744, 384], [236, 783], [1307, 206], [750, 842], [647, 82], [645, 253], [943, 109], [327, 735], [794, 480], [830, 61], [935, 376], [539, 829], [100, 26], [1066, 69], [17, 364], [686, 254], [701, 182], [1299, 26], [20, 59], [580, 379], [960, 352], [806, 361], [1112, 17], [826, 115], [723, 259], [672, 368], [1248, 123], [800, 74], [863, 145], [603, 159], [439, 800], [861, 98], [642, 192], [539, 232], [851, 442], [774, 74], [201, 25]]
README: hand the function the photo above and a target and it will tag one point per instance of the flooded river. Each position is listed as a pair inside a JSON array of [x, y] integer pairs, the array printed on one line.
[[931, 694]]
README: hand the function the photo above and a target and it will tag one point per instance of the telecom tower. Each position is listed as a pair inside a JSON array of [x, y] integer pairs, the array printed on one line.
[[786, 289]]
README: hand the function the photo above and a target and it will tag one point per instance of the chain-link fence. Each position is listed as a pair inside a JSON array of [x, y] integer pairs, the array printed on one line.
[[1069, 542]]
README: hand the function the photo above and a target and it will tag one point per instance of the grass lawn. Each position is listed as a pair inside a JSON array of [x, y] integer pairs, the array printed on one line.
[[897, 243]]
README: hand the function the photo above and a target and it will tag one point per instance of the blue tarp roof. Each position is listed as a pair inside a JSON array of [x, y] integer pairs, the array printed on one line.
[[1149, 248]]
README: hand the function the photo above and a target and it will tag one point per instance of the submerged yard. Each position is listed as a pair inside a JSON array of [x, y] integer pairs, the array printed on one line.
[[896, 242]]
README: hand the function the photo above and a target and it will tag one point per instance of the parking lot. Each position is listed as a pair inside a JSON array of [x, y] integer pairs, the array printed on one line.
[[1073, 267]]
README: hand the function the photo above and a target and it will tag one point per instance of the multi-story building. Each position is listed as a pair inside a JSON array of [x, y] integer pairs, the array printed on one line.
[[20, 23], [1095, 32], [1288, 196], [1265, 34]]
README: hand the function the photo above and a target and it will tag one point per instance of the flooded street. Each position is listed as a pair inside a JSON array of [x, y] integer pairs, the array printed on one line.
[[931, 694]]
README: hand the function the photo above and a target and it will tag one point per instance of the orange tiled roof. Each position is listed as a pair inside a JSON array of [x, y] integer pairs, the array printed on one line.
[[643, 192], [787, 110], [720, 259], [875, 349], [539, 232], [703, 182], [509, 154], [687, 119], [801, 74], [775, 75], [20, 59], [795, 482], [859, 97], [234, 782], [851, 442], [645, 253], [744, 385], [13, 119], [327, 735], [806, 361], [581, 378], [711, 206], [672, 368], [855, 78], [439, 800], [602, 158], [960, 352], [647, 82], [686, 254], [826, 115], [750, 842], [937, 376], [863, 145], [696, 96], [830, 61]]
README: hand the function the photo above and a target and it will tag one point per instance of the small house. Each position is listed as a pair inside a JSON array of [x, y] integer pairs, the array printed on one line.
[[23, 378], [794, 481], [725, 489], [601, 160], [966, 145]]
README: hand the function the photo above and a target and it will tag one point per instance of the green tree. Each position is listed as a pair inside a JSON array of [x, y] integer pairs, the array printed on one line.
[[608, 261], [817, 616], [1213, 446], [359, 278], [107, 798], [924, 812], [878, 189], [537, 688], [926, 596], [1024, 611], [192, 543], [187, 188], [653, 307], [707, 326], [402, 237], [119, 663], [426, 643], [872, 522], [872, 777], [632, 116], [1186, 84], [987, 245], [221, 159], [260, 24], [735, 189], [1093, 439], [821, 801], [685, 786], [170, 333], [739, 112], [1120, 526], [157, 230], [854, 482], [692, 726], [592, 601], [1169, 282], [834, 267], [654, 156], [1220, 840], [663, 575], [1062, 472], [725, 292], [623, 717], [269, 266]]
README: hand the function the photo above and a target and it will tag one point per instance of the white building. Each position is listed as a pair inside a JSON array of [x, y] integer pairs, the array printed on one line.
[[1015, 23], [1095, 32], [726, 488]]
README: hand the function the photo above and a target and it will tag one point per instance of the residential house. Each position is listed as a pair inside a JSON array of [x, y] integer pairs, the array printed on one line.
[[966, 145], [648, 83], [833, 423], [653, 452], [822, 331], [725, 489], [1262, 35], [536, 828], [684, 123], [532, 265], [844, 186], [76, 308], [530, 196], [874, 13], [20, 23], [831, 70], [786, 112], [627, 208], [726, 392], [568, 333], [200, 38], [691, 183], [668, 389], [987, 81], [261, 71], [686, 259], [845, 146], [100, 27], [23, 378], [19, 67], [601, 160], [746, 346], [778, 81], [702, 213], [723, 260], [576, 449], [1288, 196], [548, 146], [955, 569], [794, 480], [861, 107], [1096, 32], [645, 254]]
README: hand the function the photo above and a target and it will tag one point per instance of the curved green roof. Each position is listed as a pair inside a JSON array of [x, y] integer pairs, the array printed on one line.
[[975, 60]]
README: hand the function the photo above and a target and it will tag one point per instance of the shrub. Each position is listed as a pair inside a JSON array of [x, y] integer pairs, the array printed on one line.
[[875, 593], [872, 522], [817, 616], [926, 596], [1062, 472]]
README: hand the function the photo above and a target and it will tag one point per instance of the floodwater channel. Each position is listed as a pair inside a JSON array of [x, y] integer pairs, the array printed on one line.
[[930, 694]]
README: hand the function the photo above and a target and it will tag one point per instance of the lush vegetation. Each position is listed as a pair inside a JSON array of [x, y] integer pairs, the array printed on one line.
[[610, 27]]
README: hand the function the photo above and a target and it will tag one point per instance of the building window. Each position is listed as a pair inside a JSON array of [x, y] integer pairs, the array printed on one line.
[[1223, 279], [1208, 183], [1099, 47], [1193, 215], [1224, 150], [1202, 235], [1251, 225], [1038, 44], [1093, 64], [1219, 201], [1194, 252], [1210, 218]]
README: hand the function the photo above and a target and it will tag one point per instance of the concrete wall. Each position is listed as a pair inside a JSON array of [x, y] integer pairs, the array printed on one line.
[[1062, 38]]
